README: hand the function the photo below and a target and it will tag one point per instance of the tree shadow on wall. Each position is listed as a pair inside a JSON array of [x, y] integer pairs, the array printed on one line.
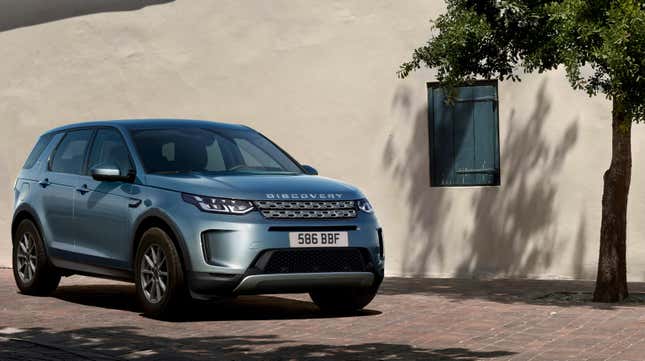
[[409, 167], [20, 13], [513, 231], [131, 343]]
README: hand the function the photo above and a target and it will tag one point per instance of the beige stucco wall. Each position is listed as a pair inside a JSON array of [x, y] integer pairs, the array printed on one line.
[[319, 78]]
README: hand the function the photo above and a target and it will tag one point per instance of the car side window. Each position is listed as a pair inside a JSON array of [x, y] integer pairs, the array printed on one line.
[[110, 149], [70, 153]]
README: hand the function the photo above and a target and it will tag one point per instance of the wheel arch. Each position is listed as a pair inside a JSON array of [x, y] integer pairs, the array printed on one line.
[[25, 212], [158, 219]]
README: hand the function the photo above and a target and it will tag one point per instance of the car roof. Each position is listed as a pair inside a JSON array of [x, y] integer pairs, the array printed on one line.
[[151, 124]]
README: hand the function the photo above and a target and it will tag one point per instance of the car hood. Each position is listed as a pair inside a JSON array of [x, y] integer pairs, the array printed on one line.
[[257, 187]]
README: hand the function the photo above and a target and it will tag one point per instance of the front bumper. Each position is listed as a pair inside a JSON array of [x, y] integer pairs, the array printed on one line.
[[224, 251], [293, 271], [302, 282], [211, 286]]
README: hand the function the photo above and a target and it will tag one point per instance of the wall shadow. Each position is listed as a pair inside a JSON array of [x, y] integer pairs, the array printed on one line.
[[20, 13], [509, 219], [510, 230], [409, 166], [130, 343]]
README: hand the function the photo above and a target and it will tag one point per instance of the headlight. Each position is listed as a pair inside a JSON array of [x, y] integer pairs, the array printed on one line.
[[218, 205], [365, 206]]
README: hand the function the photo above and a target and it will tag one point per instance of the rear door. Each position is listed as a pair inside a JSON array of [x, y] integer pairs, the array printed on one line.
[[103, 208], [58, 187]]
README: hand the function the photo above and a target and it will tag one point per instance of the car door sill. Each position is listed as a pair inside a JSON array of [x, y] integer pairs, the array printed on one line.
[[93, 270]]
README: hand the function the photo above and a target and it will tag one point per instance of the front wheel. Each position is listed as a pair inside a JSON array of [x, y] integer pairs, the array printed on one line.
[[32, 271], [343, 300], [159, 277]]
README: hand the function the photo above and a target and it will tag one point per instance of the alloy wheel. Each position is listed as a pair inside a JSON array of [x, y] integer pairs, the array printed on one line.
[[154, 274], [27, 258]]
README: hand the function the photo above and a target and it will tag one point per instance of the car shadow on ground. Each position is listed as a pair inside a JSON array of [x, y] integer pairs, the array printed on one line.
[[123, 297]]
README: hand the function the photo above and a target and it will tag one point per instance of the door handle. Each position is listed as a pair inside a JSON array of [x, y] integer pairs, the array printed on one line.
[[44, 183], [82, 189]]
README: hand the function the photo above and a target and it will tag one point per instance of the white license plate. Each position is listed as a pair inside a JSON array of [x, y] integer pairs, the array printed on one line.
[[318, 239]]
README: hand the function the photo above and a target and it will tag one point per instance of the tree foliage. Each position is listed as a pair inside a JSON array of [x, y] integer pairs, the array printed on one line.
[[600, 43]]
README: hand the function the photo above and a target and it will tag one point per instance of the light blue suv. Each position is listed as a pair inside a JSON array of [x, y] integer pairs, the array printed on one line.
[[190, 208]]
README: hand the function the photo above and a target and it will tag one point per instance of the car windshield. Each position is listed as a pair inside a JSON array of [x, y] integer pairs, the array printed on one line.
[[210, 150]]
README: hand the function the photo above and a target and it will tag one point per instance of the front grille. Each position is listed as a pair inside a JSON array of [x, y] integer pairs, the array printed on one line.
[[307, 209], [312, 261]]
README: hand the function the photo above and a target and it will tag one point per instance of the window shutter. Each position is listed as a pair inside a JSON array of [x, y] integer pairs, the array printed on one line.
[[464, 136]]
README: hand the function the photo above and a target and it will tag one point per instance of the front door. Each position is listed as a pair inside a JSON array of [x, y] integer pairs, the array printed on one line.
[[102, 208]]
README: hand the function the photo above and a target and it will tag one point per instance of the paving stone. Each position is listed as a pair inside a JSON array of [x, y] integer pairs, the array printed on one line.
[[411, 319]]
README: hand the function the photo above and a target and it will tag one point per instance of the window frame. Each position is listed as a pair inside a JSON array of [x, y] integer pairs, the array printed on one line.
[[434, 183]]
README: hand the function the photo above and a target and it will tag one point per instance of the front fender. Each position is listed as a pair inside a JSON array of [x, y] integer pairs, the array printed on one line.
[[152, 217]]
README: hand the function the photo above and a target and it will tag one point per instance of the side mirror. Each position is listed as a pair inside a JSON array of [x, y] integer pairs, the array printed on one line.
[[310, 170], [111, 173]]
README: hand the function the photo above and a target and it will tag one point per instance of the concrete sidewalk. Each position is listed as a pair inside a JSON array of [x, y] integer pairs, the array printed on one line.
[[412, 319]]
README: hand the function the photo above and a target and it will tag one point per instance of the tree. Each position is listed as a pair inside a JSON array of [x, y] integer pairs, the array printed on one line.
[[600, 44]]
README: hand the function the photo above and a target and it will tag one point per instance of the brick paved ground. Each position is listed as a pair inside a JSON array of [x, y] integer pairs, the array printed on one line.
[[430, 319]]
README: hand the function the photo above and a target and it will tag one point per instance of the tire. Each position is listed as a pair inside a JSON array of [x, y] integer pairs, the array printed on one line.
[[33, 272], [159, 277], [343, 300]]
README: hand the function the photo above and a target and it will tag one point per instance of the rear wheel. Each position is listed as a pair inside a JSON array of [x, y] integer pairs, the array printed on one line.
[[159, 276], [342, 300], [32, 271]]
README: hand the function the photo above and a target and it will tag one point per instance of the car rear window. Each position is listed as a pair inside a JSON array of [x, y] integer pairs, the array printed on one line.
[[37, 151]]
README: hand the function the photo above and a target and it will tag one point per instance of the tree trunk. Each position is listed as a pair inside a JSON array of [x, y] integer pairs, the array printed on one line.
[[611, 282]]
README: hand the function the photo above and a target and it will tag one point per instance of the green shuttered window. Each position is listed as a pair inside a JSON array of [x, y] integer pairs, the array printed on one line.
[[464, 135]]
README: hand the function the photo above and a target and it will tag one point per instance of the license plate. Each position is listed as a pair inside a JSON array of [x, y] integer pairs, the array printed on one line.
[[318, 239]]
